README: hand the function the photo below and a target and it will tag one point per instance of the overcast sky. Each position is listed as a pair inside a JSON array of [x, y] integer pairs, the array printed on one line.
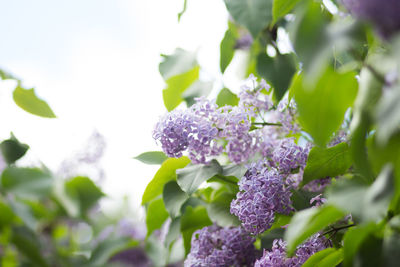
[[96, 63]]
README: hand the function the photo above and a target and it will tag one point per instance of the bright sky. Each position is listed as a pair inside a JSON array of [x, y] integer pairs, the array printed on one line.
[[96, 63]]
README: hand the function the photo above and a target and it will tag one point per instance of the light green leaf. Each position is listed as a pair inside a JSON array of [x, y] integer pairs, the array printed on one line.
[[85, 191], [278, 71], [152, 157], [179, 62], [155, 216], [308, 222], [191, 177], [28, 101], [323, 162], [282, 7], [173, 232], [176, 85], [226, 97], [322, 105], [227, 49], [332, 259], [255, 15], [388, 115], [108, 248], [165, 174], [197, 89], [6, 215], [317, 257], [12, 149], [26, 182], [174, 198]]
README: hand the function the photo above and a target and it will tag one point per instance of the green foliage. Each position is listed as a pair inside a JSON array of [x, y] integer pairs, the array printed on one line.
[[255, 15], [322, 105], [156, 215], [317, 258], [324, 162], [278, 71], [152, 157], [108, 248], [218, 209], [165, 174], [226, 97], [12, 149], [191, 177], [308, 222], [227, 47], [28, 101], [174, 198], [280, 8]]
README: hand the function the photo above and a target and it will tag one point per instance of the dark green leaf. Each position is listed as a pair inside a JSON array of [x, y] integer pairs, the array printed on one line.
[[227, 49], [28, 244], [388, 115], [12, 149], [191, 220], [278, 71], [6, 215], [301, 199], [267, 239], [308, 222], [152, 157], [255, 15], [85, 191], [191, 177], [174, 198], [391, 250], [323, 162], [226, 97], [28, 101], [165, 174], [155, 216], [322, 105], [282, 7], [26, 182], [219, 210]]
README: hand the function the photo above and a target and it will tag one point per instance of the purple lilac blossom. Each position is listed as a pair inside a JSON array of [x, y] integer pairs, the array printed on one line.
[[262, 194], [251, 97], [277, 256], [383, 14], [288, 156], [244, 42], [219, 247]]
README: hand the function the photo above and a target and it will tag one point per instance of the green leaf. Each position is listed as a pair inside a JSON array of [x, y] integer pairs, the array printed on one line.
[[174, 198], [278, 71], [219, 210], [173, 232], [353, 241], [85, 191], [227, 98], [28, 244], [391, 250], [255, 15], [227, 49], [165, 174], [197, 89], [318, 257], [152, 157], [12, 149], [192, 220], [26, 182], [6, 76], [332, 259], [323, 162], [179, 62], [191, 177], [308, 222], [366, 203], [6, 215], [156, 215], [282, 7], [108, 248], [322, 105], [28, 101], [176, 85], [388, 115]]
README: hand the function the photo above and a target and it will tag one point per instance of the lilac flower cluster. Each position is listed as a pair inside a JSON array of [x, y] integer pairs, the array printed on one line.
[[383, 14], [262, 194], [202, 128], [289, 156], [277, 255], [220, 247]]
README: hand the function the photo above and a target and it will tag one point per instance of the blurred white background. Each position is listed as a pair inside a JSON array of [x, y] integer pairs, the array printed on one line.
[[96, 64]]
